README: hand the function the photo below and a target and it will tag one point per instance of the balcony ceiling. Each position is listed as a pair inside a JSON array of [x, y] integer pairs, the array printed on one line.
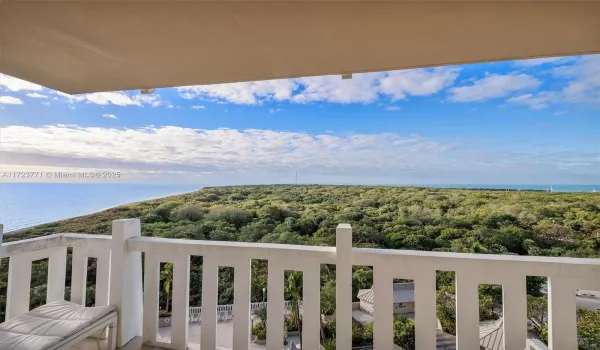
[[90, 46]]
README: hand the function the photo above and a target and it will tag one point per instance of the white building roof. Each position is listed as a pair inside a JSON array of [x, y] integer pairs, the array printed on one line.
[[403, 293]]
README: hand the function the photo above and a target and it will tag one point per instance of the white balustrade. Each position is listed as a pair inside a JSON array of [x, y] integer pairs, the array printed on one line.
[[119, 265]]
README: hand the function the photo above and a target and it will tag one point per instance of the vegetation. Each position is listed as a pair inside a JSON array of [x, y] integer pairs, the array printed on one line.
[[448, 220]]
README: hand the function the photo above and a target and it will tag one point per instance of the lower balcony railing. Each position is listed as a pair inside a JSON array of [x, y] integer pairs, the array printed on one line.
[[119, 283]]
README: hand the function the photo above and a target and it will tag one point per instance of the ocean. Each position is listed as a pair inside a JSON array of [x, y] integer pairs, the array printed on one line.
[[28, 204]]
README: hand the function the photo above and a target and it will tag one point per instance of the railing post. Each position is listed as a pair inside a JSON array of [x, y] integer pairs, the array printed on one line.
[[79, 264], [19, 282], [383, 310], [57, 273], [467, 312], [181, 302], [514, 311], [126, 280], [562, 319], [343, 290], [425, 310]]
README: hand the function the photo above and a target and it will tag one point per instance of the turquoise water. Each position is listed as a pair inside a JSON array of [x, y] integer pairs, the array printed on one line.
[[27, 204]]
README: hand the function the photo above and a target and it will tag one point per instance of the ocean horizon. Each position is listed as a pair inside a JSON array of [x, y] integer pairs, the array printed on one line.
[[24, 205]]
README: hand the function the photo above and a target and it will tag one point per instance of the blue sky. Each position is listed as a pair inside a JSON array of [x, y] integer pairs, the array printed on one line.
[[519, 122]]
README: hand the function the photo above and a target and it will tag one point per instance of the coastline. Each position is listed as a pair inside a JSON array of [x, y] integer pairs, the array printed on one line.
[[472, 187], [18, 230]]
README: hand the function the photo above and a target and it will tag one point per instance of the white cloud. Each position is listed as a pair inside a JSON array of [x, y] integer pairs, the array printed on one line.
[[544, 61], [198, 107], [418, 82], [13, 84], [274, 110], [188, 153], [393, 108], [117, 98], [493, 86], [152, 99], [36, 95], [9, 100], [362, 88], [584, 80], [46, 103], [249, 93], [535, 101], [222, 149], [110, 116]]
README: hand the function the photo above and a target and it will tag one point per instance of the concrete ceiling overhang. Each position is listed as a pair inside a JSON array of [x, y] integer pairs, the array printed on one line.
[[90, 46]]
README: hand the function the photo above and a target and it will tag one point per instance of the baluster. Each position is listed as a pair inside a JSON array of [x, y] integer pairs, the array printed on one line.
[[241, 320], [181, 302], [79, 265], [383, 308], [151, 285], [210, 280], [467, 312], [343, 291], [425, 310], [562, 319], [311, 306], [275, 308], [102, 278], [514, 312], [19, 281], [57, 273]]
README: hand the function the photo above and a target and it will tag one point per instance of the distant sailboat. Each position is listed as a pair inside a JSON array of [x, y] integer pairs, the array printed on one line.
[[594, 190]]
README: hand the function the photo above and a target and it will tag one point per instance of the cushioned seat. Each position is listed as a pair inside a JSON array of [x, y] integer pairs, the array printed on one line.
[[47, 326]]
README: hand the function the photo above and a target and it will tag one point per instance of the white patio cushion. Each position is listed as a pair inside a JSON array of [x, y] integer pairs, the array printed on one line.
[[48, 325]]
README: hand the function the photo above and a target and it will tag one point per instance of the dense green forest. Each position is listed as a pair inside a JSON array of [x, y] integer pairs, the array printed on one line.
[[449, 220]]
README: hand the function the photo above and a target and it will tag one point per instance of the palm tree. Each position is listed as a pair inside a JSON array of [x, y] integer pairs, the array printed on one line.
[[166, 276], [293, 289]]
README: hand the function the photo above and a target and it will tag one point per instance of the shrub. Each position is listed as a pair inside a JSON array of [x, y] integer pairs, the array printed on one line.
[[259, 331], [329, 344], [152, 218], [235, 216], [187, 213], [188, 232], [164, 210]]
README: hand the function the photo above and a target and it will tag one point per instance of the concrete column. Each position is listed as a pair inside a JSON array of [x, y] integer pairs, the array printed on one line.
[[343, 290], [311, 306], [19, 282], [514, 311], [210, 280], [181, 302], [57, 273], [79, 276], [425, 310], [467, 312], [383, 308], [102, 278], [126, 280], [151, 287], [562, 318], [275, 306], [241, 305]]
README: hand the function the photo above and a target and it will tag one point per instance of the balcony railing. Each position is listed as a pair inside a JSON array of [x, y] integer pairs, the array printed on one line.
[[119, 283]]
